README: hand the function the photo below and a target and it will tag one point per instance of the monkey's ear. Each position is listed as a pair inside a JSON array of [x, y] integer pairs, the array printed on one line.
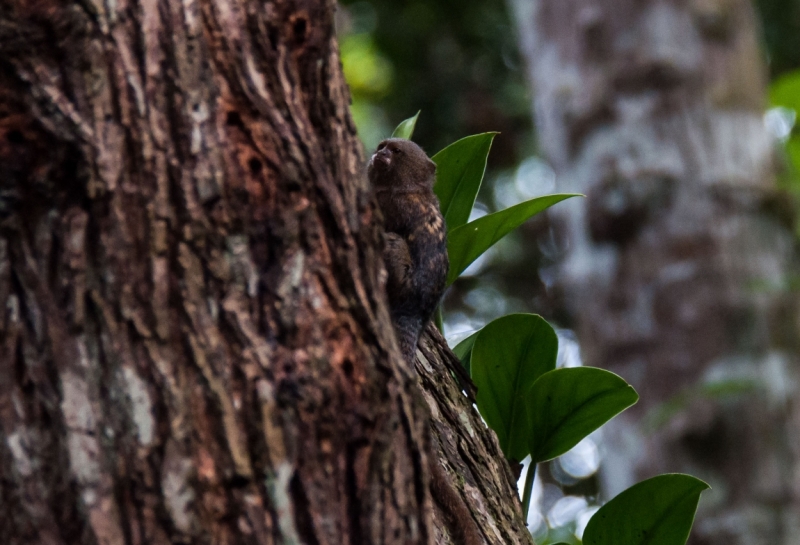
[[431, 167]]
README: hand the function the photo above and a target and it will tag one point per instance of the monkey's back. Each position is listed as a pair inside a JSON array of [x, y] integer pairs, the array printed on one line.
[[415, 252], [418, 273]]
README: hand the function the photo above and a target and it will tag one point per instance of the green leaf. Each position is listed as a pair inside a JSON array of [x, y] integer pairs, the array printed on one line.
[[793, 151], [562, 535], [459, 172], [785, 91], [566, 405], [466, 243], [509, 354], [658, 511], [463, 350], [438, 319], [406, 128]]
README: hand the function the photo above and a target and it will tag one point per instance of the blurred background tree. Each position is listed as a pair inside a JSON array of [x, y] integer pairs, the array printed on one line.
[[678, 272], [460, 63]]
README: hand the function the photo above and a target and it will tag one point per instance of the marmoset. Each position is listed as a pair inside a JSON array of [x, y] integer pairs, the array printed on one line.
[[415, 251], [415, 255]]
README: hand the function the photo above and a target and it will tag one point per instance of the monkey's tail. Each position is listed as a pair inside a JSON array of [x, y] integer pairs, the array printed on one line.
[[408, 329]]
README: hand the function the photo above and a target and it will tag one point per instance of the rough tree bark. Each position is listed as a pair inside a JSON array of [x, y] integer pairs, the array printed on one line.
[[678, 270], [194, 340]]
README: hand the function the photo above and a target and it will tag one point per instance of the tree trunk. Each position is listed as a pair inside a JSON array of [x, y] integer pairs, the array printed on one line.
[[195, 345], [679, 261]]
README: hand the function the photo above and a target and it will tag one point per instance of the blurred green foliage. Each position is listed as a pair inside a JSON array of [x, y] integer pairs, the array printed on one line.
[[456, 60], [780, 23], [784, 95]]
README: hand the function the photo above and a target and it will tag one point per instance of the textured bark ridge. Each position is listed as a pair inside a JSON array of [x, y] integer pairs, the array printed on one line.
[[679, 267], [469, 454], [194, 341]]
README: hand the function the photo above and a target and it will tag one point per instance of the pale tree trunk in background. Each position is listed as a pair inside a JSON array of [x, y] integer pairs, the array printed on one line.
[[678, 259], [194, 341]]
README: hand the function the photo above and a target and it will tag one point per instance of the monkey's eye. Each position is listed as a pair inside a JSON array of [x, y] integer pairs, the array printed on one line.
[[397, 150], [381, 146]]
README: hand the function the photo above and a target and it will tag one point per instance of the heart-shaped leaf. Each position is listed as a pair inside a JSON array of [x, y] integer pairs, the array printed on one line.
[[509, 354], [459, 172], [406, 128], [466, 243], [658, 511], [566, 405]]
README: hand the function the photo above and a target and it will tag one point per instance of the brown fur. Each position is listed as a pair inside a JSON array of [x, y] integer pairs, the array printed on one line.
[[415, 255], [416, 236]]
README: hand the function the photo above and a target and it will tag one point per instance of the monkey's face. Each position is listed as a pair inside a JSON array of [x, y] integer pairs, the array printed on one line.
[[397, 161], [386, 156]]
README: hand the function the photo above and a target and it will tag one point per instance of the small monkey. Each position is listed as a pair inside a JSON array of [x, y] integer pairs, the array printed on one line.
[[415, 251], [415, 255]]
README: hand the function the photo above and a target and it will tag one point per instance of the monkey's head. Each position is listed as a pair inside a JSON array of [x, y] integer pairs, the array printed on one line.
[[401, 162]]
